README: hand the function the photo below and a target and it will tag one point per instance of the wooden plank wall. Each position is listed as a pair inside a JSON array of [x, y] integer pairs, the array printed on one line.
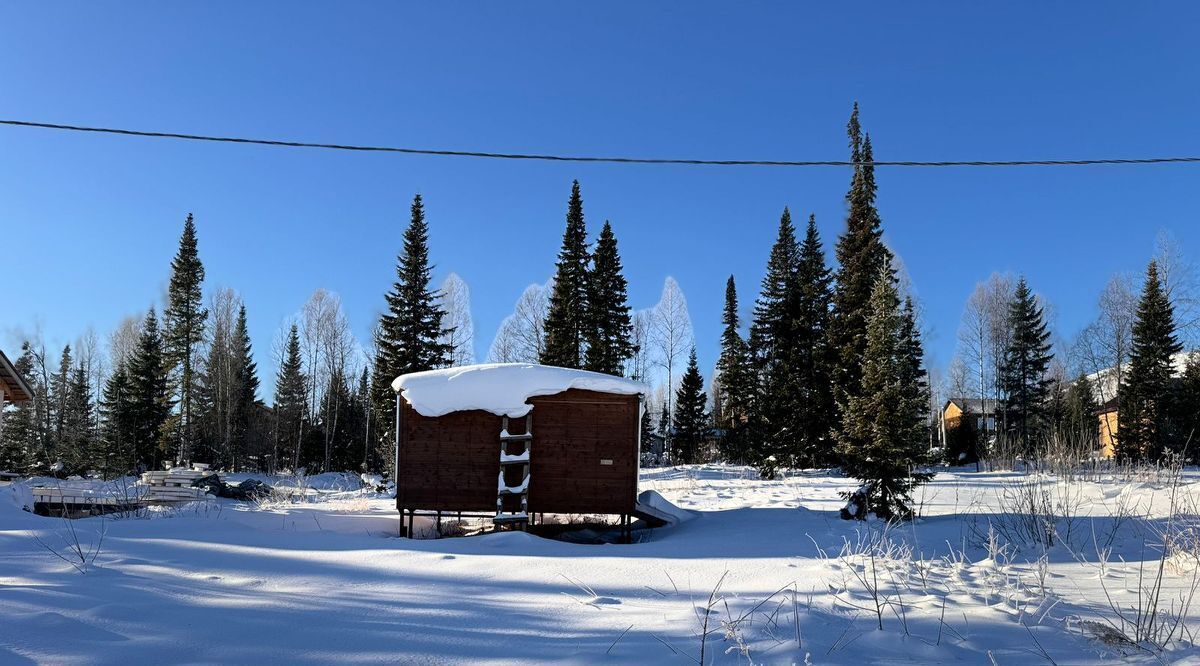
[[451, 463]]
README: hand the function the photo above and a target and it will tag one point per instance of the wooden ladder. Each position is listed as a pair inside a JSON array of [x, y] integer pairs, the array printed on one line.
[[514, 519]]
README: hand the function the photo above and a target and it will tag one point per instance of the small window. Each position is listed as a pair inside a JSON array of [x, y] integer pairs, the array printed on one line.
[[606, 461]]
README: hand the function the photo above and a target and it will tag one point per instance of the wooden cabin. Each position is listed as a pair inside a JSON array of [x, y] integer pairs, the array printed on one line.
[[13, 388], [516, 441]]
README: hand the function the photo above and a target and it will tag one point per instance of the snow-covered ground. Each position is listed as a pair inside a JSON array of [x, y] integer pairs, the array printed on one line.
[[321, 577]]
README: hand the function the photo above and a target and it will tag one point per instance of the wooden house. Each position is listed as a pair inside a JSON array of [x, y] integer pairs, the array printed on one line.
[[1107, 428], [982, 411], [516, 441], [13, 388]]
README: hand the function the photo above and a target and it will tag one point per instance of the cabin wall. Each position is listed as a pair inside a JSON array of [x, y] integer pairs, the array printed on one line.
[[583, 460]]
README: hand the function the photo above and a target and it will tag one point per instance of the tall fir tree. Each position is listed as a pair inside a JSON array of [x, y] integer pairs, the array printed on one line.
[[881, 443], [1188, 407], [691, 420], [914, 385], [609, 326], [183, 333], [1144, 426], [291, 404], [566, 321], [118, 430], [363, 412], [1079, 420], [151, 399], [771, 336], [60, 403], [1023, 379], [19, 436], [410, 336], [861, 255], [811, 357], [245, 390], [737, 386], [78, 439]]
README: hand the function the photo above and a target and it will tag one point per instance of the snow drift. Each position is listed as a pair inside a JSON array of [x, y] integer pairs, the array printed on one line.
[[500, 388]]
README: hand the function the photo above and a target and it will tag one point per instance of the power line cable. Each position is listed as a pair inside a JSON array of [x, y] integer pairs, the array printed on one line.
[[603, 160]]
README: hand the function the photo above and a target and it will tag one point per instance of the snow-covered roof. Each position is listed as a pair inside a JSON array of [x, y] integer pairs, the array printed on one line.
[[500, 388]]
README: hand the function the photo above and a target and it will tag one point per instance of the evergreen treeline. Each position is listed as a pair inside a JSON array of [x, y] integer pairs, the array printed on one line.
[[831, 372], [828, 370]]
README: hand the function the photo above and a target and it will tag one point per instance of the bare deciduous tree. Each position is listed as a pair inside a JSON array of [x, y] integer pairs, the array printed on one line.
[[1179, 277], [124, 338], [640, 337], [521, 335], [455, 299], [1103, 346], [330, 351], [671, 333]]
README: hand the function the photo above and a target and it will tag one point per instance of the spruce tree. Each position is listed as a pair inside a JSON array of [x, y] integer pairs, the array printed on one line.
[[19, 436], [60, 404], [1188, 407], [691, 421], [291, 404], [881, 443], [913, 378], [566, 320], [646, 429], [771, 339], [118, 430], [1023, 379], [609, 326], [362, 415], [245, 390], [151, 399], [811, 358], [737, 386], [1080, 415], [1144, 428], [183, 332], [861, 255], [77, 446], [410, 336]]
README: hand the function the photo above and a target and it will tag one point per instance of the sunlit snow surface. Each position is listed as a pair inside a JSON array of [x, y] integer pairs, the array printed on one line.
[[318, 576]]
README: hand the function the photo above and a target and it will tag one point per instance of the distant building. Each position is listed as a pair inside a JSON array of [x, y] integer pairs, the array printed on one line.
[[955, 408], [13, 388], [1107, 417], [1105, 389]]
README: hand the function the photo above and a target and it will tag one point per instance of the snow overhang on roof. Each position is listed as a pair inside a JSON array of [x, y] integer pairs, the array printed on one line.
[[500, 388]]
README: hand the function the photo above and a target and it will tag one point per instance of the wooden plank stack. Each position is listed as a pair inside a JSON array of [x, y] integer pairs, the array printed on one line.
[[81, 497], [175, 484]]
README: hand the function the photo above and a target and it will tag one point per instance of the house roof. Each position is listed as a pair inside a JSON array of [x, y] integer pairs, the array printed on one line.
[[972, 405], [1109, 405], [500, 388], [14, 385]]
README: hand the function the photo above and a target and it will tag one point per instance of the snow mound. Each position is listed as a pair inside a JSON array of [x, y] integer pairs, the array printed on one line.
[[17, 495], [650, 502], [500, 388]]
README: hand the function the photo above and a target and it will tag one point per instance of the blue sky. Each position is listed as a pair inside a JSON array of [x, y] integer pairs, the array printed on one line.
[[88, 224]]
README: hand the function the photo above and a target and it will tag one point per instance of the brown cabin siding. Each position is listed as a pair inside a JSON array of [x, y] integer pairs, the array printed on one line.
[[452, 462]]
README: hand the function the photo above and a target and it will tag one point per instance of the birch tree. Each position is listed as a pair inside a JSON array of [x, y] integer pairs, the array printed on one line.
[[671, 334], [521, 336], [459, 332]]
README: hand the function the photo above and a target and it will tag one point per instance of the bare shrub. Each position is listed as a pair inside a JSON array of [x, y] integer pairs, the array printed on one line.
[[76, 550]]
